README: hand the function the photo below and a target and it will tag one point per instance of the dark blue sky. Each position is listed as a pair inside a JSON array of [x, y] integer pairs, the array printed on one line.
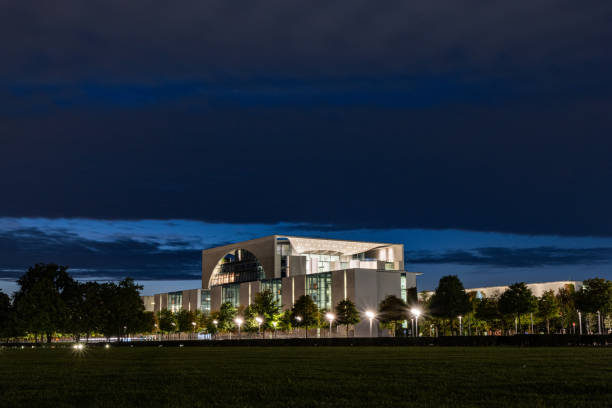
[[478, 134]]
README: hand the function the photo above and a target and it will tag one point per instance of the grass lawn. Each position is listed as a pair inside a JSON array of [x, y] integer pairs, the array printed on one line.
[[306, 377]]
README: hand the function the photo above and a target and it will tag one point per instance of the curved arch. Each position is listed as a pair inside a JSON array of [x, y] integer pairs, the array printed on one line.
[[237, 265]]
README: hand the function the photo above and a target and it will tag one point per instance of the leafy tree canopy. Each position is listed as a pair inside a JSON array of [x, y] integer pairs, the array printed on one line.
[[449, 299]]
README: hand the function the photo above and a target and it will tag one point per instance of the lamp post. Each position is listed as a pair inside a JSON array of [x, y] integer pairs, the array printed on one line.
[[238, 321], [299, 320], [259, 321], [416, 312], [370, 315], [580, 322], [215, 322], [598, 322], [274, 324], [174, 325], [194, 327], [460, 325], [330, 317]]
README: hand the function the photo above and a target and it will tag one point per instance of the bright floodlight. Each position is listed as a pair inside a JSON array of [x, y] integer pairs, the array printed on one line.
[[193, 323], [238, 321], [369, 314], [274, 324], [298, 318], [107, 346], [330, 316], [416, 312], [215, 322], [259, 320]]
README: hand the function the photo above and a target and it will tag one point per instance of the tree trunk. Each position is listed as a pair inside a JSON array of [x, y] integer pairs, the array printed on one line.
[[48, 337]]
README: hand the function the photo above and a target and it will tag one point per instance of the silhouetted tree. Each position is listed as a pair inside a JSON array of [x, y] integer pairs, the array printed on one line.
[[595, 296], [517, 300], [40, 303], [391, 312], [307, 310], [449, 300], [347, 314], [548, 308]]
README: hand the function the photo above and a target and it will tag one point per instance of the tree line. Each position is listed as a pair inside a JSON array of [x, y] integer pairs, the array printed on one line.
[[51, 304], [517, 310]]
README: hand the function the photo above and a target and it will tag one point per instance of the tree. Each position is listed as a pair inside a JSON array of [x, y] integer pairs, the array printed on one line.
[[347, 314], [306, 309], [595, 296], [5, 315], [548, 308], [517, 300], [185, 320], [166, 320], [449, 300], [266, 307], [39, 303], [227, 314], [123, 308], [487, 310], [567, 305], [391, 312]]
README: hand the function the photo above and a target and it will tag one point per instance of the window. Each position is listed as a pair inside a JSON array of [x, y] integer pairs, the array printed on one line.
[[205, 301], [230, 293], [175, 301], [274, 285], [318, 287]]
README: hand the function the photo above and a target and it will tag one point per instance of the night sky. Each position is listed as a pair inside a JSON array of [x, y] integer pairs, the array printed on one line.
[[135, 134]]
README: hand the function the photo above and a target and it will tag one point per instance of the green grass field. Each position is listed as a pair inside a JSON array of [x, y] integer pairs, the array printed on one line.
[[306, 377]]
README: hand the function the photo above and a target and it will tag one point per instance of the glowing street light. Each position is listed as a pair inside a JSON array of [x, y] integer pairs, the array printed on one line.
[[299, 322], [370, 315], [416, 313], [460, 326], [239, 322], [330, 317], [274, 324], [259, 321]]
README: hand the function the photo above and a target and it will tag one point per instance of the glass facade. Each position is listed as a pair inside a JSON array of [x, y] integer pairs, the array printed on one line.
[[318, 287], [404, 289], [231, 293], [175, 301], [274, 285], [237, 266], [205, 301]]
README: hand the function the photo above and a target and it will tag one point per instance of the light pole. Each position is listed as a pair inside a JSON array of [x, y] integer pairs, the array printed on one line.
[[299, 320], [580, 322], [460, 325], [215, 322], [238, 321], [174, 325], [370, 315], [274, 324], [598, 322], [330, 317], [416, 312], [259, 321], [194, 325]]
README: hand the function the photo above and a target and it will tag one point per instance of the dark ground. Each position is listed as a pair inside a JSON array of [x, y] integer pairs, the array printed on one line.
[[307, 377]]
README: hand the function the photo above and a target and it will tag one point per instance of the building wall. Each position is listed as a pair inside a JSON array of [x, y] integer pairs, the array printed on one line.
[[248, 290], [149, 303], [536, 288], [263, 248], [215, 298], [161, 302], [191, 299]]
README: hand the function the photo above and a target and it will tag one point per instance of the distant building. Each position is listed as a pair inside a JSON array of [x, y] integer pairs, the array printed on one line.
[[327, 270], [536, 288]]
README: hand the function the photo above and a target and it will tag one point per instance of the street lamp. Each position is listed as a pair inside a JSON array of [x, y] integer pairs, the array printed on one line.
[[370, 315], [259, 321], [416, 312], [194, 327], [238, 322], [580, 322], [330, 317], [460, 326], [215, 322], [299, 320], [274, 324]]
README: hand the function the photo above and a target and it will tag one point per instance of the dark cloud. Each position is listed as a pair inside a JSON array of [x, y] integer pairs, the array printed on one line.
[[486, 116], [514, 257], [97, 259]]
